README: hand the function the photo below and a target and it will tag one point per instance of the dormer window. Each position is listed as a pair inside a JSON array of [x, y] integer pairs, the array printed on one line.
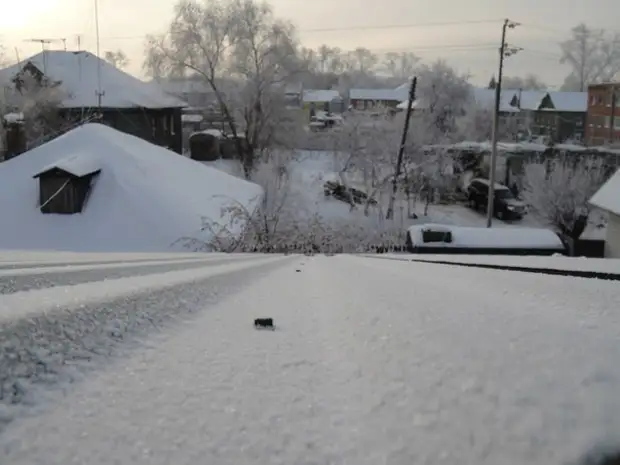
[[64, 187]]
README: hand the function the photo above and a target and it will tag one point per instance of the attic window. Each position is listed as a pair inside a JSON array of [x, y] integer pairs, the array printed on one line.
[[64, 187]]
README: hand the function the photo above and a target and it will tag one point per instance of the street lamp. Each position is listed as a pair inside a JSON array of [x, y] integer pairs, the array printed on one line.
[[504, 51]]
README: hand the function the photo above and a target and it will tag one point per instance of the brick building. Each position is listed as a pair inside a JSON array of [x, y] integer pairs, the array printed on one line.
[[603, 118]]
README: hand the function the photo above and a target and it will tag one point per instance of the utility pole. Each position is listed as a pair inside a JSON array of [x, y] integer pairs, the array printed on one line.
[[503, 52], [98, 91], [401, 149]]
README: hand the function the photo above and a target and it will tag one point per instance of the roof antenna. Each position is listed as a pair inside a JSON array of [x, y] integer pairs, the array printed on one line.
[[98, 92]]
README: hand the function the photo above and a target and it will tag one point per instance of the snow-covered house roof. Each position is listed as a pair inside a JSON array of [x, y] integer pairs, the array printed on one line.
[[320, 95], [608, 196], [375, 94], [570, 101], [486, 98], [144, 198], [77, 73], [528, 99]]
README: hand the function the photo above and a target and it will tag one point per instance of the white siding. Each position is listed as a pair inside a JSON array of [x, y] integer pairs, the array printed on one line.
[[612, 241]]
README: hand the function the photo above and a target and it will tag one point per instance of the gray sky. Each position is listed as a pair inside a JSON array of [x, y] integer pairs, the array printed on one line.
[[468, 46]]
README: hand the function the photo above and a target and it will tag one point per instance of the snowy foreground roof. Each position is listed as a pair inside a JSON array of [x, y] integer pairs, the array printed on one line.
[[608, 197], [78, 74], [145, 197]]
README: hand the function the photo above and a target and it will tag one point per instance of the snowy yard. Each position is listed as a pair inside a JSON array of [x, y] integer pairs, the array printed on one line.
[[424, 365], [311, 170]]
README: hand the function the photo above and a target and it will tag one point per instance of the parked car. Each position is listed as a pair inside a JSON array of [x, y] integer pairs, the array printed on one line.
[[506, 205], [346, 194]]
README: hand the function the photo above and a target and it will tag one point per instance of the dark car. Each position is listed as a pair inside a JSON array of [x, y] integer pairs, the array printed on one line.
[[346, 194], [505, 205]]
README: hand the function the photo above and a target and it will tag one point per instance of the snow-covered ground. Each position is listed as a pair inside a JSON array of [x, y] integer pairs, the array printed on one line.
[[597, 265], [312, 169], [372, 362]]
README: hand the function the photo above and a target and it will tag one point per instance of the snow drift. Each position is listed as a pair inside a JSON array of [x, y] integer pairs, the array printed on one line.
[[144, 198]]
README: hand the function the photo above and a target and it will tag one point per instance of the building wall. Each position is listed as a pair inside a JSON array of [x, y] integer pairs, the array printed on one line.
[[363, 104], [601, 108], [160, 127], [612, 240]]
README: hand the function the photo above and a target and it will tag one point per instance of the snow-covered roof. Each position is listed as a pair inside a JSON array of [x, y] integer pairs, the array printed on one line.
[[79, 165], [192, 118], [486, 98], [529, 99], [320, 95], [375, 94], [403, 105], [570, 101], [482, 238], [487, 183], [182, 86], [608, 196], [13, 117], [77, 73], [145, 198]]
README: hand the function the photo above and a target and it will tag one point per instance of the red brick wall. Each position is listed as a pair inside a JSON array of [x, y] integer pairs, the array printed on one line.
[[599, 120]]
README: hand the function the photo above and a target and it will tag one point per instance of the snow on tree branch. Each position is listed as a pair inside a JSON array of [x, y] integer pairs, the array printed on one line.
[[244, 54], [558, 191]]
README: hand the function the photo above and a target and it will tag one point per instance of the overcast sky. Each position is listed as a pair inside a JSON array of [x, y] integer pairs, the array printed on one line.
[[469, 46]]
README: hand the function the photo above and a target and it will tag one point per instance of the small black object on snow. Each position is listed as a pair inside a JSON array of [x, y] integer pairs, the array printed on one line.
[[298, 271], [266, 323]]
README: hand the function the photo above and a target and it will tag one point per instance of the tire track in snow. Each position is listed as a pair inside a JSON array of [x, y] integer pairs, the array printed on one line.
[[29, 282], [30, 264], [41, 351]]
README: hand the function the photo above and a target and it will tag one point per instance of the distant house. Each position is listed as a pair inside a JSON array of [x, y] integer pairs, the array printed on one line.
[[97, 189], [603, 114], [121, 101], [607, 198], [561, 116], [322, 100], [369, 99], [194, 91]]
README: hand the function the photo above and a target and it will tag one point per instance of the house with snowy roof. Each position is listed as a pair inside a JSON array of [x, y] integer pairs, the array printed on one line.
[[90, 88], [98, 189], [558, 115], [322, 99], [607, 198]]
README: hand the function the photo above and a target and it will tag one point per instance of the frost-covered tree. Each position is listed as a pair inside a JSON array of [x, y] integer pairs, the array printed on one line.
[[444, 96], [592, 54], [245, 54], [558, 191], [401, 65], [528, 82], [37, 103], [117, 58]]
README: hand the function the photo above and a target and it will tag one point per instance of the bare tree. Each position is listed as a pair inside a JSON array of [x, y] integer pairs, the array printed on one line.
[[245, 54], [401, 65], [559, 190], [528, 82], [593, 55], [117, 58]]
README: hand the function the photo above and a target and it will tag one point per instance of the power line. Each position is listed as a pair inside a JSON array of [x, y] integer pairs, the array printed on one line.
[[402, 26], [357, 28]]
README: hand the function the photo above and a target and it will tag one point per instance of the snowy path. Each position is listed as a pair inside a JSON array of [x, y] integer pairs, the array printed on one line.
[[374, 362], [45, 277]]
